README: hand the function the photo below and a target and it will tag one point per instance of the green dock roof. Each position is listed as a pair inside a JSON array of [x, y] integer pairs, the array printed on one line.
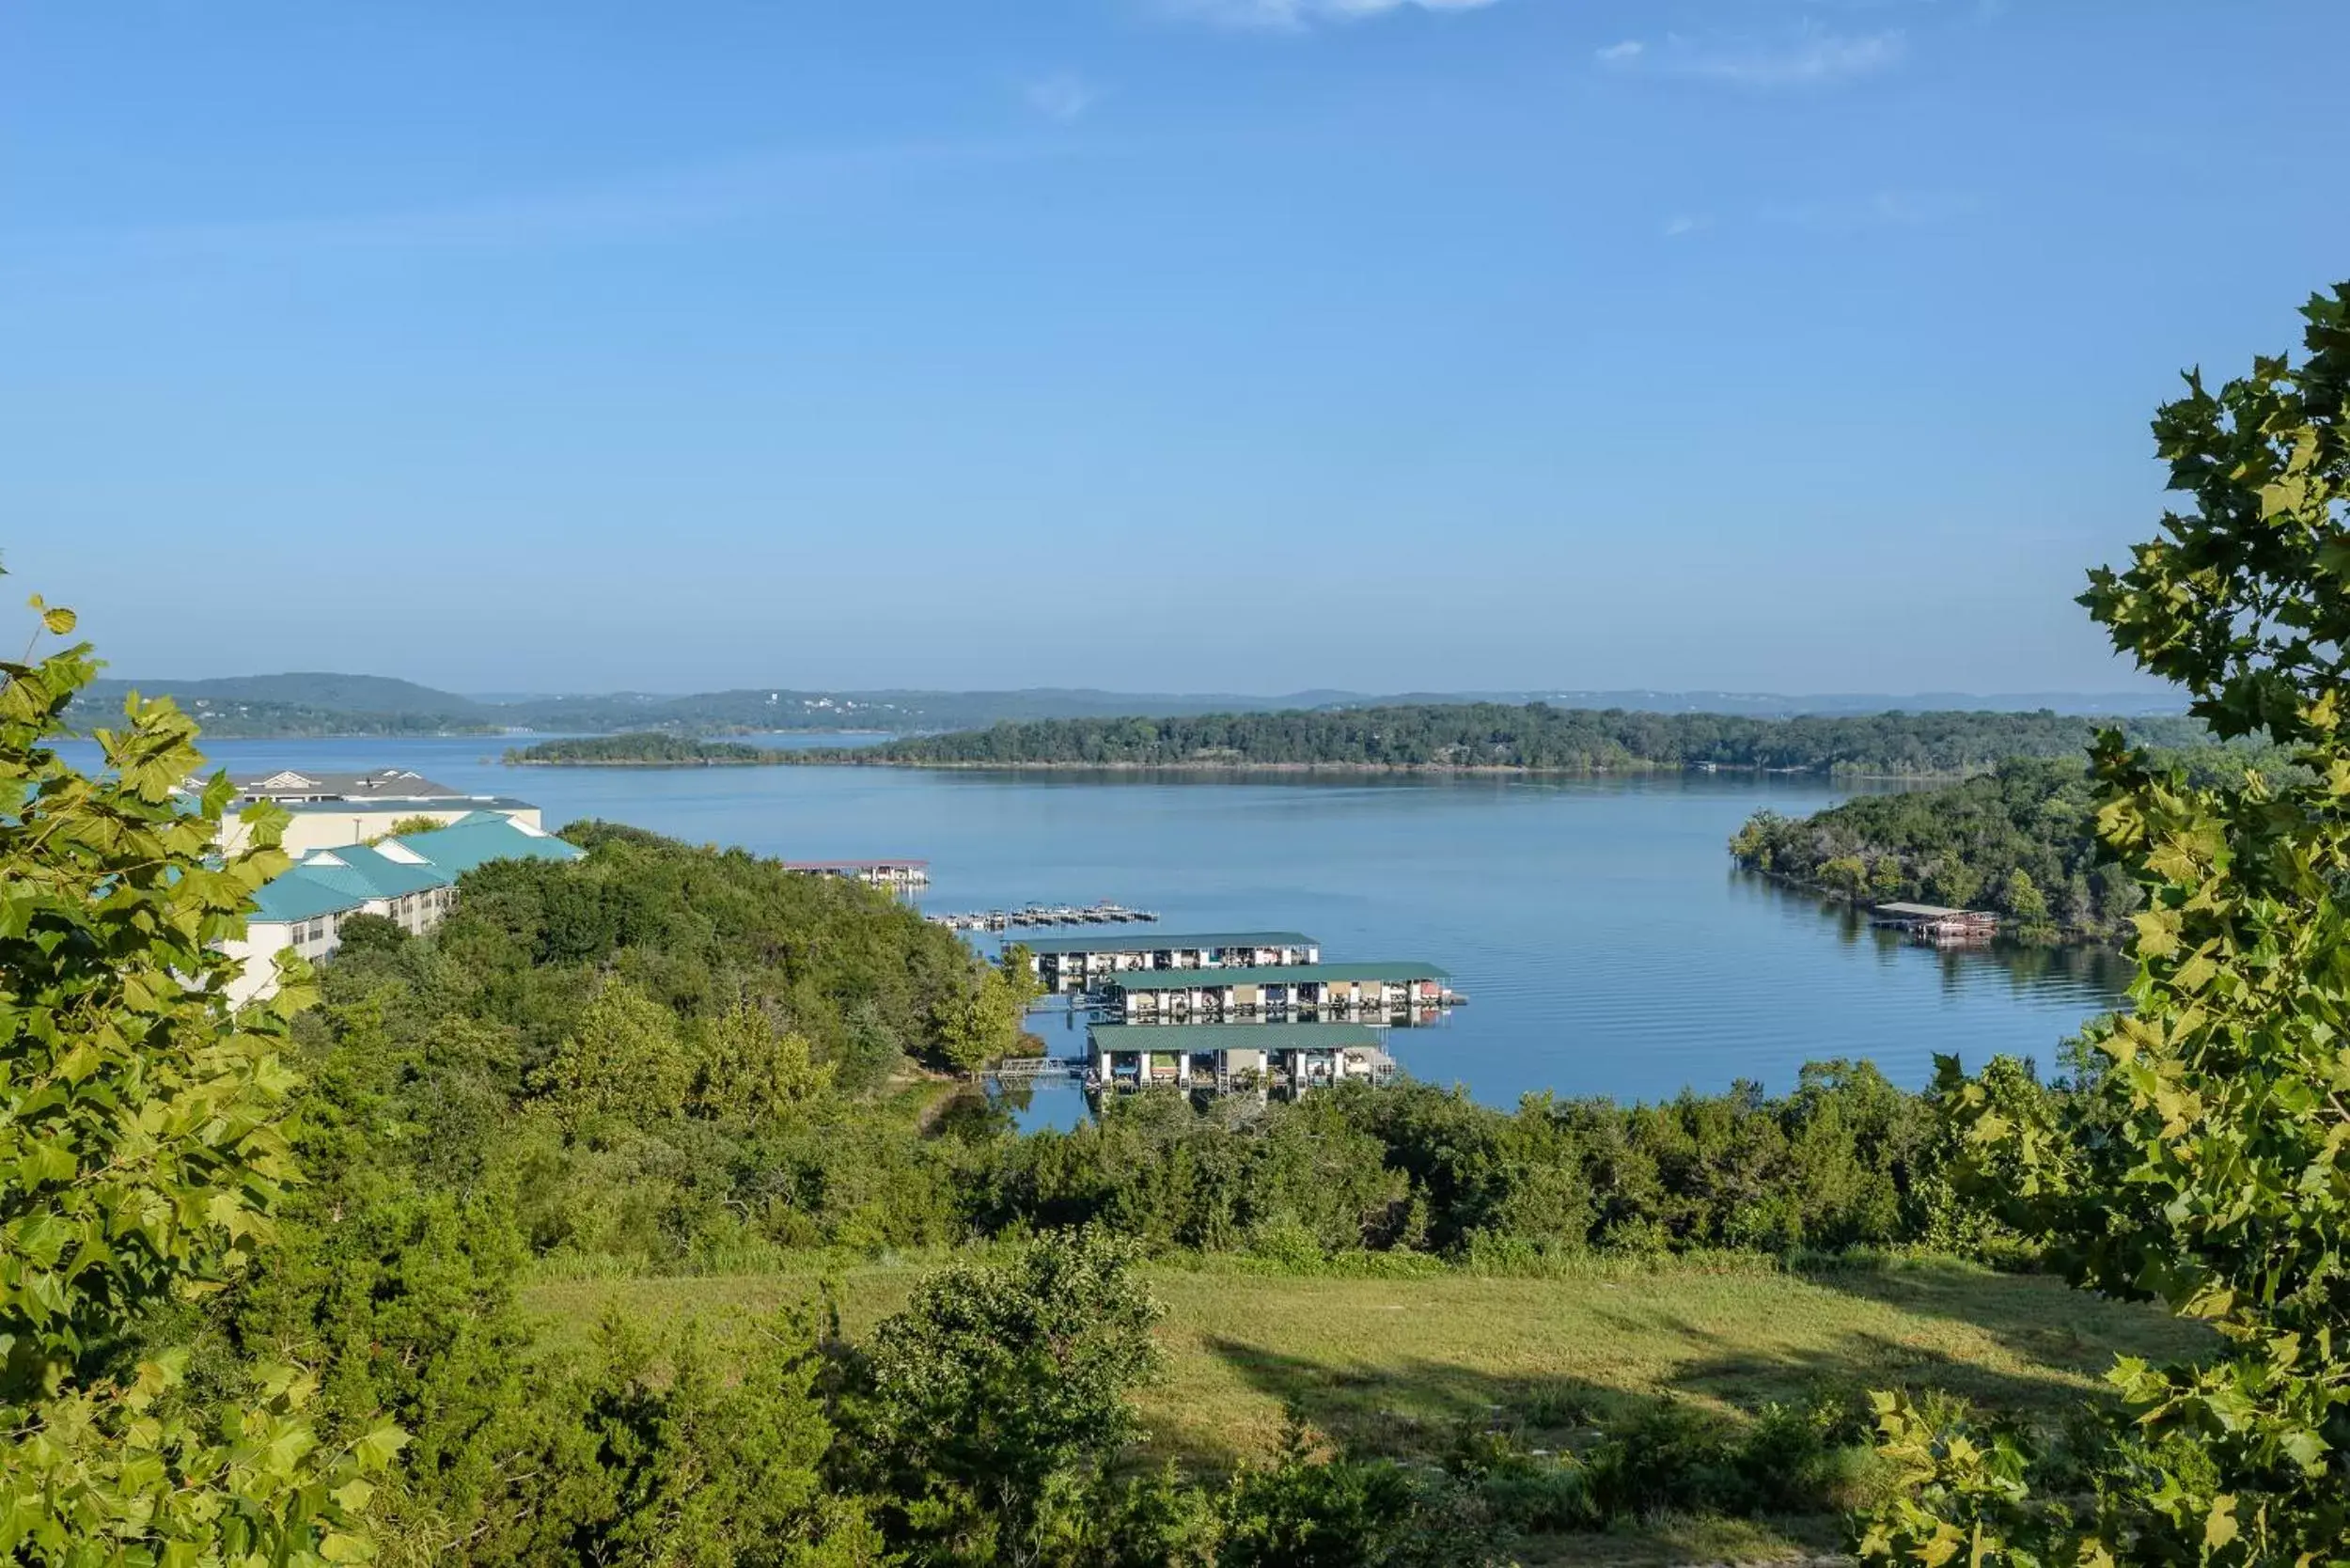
[[1232, 1037], [1273, 974], [1159, 941]]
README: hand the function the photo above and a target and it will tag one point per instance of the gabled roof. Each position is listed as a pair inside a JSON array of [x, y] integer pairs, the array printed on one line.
[[369, 873], [1155, 942], [481, 836], [1273, 974]]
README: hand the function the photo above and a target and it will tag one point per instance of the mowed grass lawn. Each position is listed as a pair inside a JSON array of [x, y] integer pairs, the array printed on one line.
[[1387, 1366]]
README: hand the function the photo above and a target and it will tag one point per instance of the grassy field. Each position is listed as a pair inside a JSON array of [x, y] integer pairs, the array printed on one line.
[[1386, 1366]]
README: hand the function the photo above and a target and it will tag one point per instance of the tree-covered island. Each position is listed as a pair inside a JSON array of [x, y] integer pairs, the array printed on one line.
[[1465, 737], [640, 748]]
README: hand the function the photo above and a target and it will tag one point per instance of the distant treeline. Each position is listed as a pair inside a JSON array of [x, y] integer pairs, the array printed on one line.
[[1535, 737], [2020, 841], [642, 749]]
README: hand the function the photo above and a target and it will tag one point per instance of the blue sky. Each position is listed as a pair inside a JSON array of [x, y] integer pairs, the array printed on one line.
[[1170, 344]]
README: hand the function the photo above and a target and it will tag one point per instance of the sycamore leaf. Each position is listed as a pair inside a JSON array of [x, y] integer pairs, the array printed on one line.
[[2220, 1528], [378, 1448]]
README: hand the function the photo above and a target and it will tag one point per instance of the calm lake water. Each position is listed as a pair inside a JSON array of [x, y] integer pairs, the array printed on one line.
[[1606, 942]]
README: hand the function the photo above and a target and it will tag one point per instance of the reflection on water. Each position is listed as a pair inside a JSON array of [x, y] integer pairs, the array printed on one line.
[[1605, 942], [2025, 968]]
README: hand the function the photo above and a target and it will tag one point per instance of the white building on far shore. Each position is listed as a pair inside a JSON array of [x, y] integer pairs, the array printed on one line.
[[332, 808]]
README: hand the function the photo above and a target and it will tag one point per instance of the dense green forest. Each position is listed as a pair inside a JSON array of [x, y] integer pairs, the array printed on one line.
[[639, 748], [1535, 736]]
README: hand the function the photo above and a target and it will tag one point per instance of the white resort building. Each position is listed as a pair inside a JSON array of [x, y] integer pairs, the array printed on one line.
[[410, 879]]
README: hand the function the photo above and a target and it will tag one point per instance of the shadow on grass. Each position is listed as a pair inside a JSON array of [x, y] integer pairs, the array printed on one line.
[[1410, 1407], [2034, 1318]]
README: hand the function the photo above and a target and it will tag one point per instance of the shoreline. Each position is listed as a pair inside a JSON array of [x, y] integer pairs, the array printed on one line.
[[848, 756]]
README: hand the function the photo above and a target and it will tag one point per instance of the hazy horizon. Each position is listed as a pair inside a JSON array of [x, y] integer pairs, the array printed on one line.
[[1691, 700], [1248, 346]]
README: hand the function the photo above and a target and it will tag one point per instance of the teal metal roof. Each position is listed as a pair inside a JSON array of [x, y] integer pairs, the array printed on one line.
[[296, 895], [1272, 974], [1154, 942], [481, 838], [317, 886], [1232, 1037], [368, 873]]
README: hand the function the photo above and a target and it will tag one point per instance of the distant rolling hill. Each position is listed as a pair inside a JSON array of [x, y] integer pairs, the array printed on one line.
[[300, 704], [324, 703]]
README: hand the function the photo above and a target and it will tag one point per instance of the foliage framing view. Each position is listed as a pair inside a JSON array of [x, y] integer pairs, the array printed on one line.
[[141, 1138], [2208, 1168]]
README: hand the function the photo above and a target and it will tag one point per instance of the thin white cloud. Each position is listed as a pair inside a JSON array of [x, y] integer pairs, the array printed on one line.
[[1295, 16], [1811, 57], [1682, 224], [1062, 97]]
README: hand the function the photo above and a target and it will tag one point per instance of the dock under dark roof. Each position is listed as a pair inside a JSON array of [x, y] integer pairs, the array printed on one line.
[[1273, 974], [1160, 942], [1232, 1037]]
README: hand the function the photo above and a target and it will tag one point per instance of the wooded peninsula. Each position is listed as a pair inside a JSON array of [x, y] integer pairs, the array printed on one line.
[[1450, 737], [2020, 841]]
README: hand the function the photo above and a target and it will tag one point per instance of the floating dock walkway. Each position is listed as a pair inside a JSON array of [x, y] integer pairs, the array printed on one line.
[[1102, 914]]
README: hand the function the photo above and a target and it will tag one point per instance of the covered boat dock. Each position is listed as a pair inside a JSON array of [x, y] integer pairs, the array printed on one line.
[[1082, 962], [1937, 924], [1396, 989], [1235, 1055]]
